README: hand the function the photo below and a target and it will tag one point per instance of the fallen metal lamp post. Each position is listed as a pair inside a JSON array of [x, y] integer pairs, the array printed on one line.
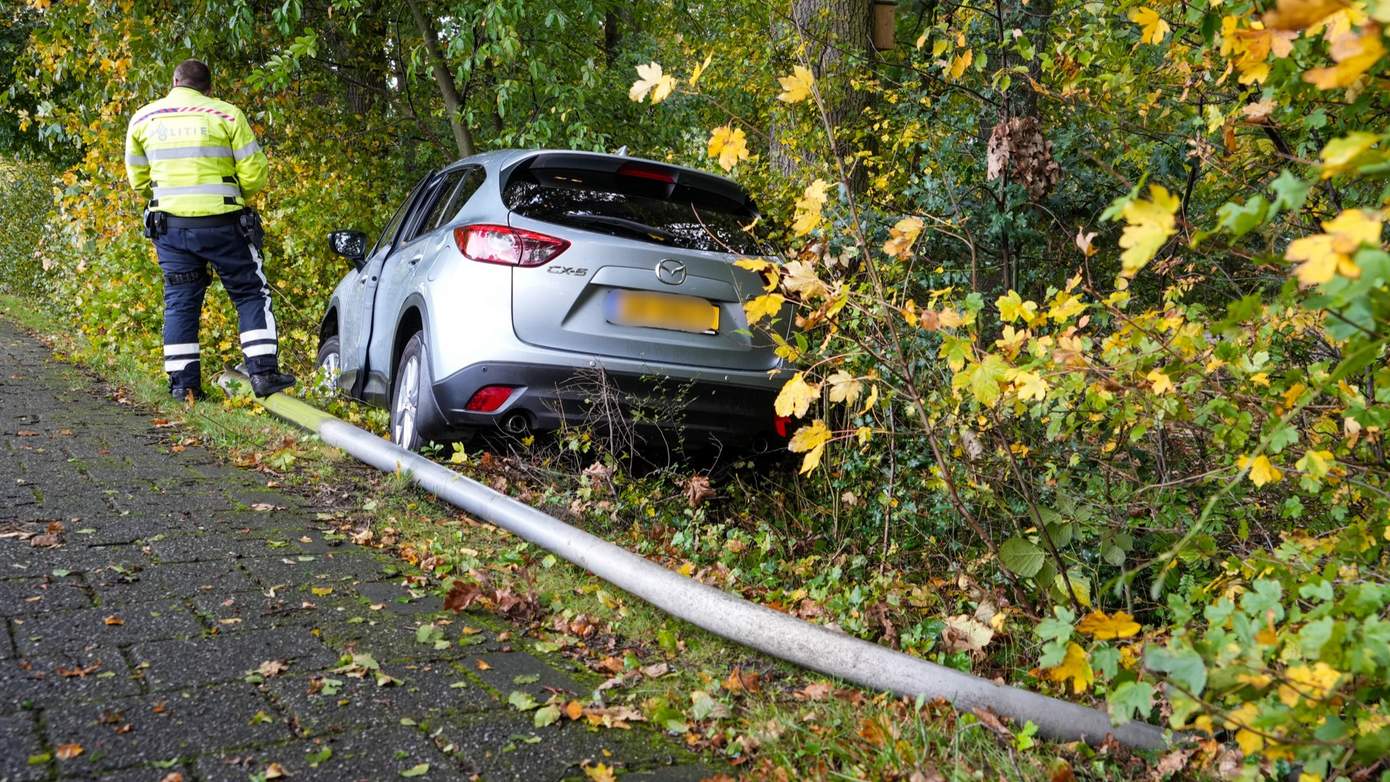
[[728, 616]]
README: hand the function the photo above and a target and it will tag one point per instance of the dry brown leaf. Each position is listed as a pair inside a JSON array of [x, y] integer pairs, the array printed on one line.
[[272, 668], [697, 490], [113, 620], [68, 751]]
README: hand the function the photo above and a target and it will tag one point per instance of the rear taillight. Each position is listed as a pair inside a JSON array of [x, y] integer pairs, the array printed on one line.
[[507, 246], [488, 398]]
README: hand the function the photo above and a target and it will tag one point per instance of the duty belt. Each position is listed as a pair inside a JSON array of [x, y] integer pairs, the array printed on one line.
[[209, 221]]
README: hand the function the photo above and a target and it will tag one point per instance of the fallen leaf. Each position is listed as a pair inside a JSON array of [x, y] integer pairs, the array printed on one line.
[[274, 771], [599, 773], [68, 751], [272, 668], [113, 620]]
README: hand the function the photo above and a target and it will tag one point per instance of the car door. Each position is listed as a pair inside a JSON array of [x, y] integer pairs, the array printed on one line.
[[356, 300], [397, 274]]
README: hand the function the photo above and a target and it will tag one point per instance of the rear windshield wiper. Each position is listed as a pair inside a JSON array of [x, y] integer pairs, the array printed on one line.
[[630, 227]]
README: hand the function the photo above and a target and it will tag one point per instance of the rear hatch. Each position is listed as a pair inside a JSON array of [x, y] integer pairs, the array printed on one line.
[[649, 273]]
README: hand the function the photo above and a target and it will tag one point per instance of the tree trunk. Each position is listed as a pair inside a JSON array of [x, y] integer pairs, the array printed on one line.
[[837, 34], [453, 102]]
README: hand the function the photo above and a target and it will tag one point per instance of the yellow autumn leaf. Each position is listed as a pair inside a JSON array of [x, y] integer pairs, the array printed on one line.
[[1148, 224], [600, 772], [796, 397], [767, 270], [1343, 153], [960, 62], [1064, 306], [1101, 626], [796, 87], [1315, 463], [1299, 14], [728, 144], [1303, 682], [1074, 667], [1012, 307], [700, 70], [808, 207], [843, 387], [1261, 469], [1325, 255], [902, 236], [1151, 26], [810, 440], [1160, 381], [1030, 386], [800, 278], [1353, 54], [765, 306], [651, 81], [1252, 46]]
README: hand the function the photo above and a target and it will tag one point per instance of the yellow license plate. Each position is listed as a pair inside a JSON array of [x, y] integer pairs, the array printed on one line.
[[662, 311]]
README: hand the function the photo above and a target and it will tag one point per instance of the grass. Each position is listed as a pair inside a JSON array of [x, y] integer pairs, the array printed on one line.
[[769, 720]]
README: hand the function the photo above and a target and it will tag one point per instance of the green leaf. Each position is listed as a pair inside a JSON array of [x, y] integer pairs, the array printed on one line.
[[1021, 556], [521, 701], [418, 770], [317, 759], [1182, 664], [1057, 627], [526, 678], [1241, 219], [1129, 700], [546, 715], [1289, 192]]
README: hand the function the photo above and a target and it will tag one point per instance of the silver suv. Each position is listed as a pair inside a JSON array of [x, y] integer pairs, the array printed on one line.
[[531, 289]]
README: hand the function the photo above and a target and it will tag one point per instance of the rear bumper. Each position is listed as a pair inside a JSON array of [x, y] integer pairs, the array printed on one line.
[[551, 396]]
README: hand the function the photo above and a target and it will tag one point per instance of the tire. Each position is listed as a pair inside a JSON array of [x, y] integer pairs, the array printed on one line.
[[330, 360], [412, 375]]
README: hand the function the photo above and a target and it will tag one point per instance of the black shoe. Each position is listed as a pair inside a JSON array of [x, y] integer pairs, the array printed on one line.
[[267, 383], [183, 394]]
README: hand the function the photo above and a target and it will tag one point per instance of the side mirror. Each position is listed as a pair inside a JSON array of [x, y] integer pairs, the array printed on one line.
[[352, 245]]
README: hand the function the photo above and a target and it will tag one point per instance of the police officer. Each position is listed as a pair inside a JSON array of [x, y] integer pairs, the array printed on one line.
[[196, 160]]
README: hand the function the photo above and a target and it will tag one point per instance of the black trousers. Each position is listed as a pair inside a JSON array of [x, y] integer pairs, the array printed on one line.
[[184, 257]]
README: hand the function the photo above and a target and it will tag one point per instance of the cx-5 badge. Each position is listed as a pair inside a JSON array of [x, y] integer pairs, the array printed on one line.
[[670, 271]]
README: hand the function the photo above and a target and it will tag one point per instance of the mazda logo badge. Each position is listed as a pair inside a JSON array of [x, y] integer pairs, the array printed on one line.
[[671, 271]]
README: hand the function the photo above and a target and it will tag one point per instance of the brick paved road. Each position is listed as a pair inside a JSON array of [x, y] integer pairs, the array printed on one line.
[[134, 636]]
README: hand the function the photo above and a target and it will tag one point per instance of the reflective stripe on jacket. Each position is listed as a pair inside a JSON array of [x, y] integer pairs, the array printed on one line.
[[192, 155]]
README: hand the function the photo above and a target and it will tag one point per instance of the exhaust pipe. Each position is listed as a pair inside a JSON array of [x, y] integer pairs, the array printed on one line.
[[729, 616], [516, 423]]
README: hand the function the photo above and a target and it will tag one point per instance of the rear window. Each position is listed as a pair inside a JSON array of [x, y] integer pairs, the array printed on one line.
[[634, 207]]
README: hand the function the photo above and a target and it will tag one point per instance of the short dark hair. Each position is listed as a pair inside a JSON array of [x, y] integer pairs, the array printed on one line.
[[193, 74]]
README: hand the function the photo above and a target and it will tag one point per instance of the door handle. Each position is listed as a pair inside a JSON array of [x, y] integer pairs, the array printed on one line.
[[415, 260]]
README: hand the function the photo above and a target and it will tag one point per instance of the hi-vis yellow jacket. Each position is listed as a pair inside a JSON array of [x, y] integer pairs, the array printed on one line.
[[192, 155]]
